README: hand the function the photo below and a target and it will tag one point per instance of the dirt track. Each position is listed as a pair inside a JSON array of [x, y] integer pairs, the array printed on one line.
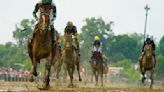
[[79, 87]]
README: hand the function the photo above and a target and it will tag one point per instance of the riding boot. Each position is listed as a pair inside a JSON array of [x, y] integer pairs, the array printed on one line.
[[60, 50], [78, 48], [78, 53], [154, 58], [101, 56], [52, 34]]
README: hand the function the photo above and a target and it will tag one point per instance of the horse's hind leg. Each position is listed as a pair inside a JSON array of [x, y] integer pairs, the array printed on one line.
[[151, 77], [78, 69]]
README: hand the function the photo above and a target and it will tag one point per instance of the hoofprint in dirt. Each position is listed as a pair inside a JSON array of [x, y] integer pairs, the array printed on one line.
[[79, 87]]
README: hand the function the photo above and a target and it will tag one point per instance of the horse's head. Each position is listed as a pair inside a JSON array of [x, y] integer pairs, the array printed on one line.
[[68, 41], [148, 50], [44, 22], [96, 55]]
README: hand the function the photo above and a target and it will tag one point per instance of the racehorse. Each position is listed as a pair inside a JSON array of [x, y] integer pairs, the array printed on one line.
[[41, 47], [70, 58], [57, 62], [148, 63], [97, 66]]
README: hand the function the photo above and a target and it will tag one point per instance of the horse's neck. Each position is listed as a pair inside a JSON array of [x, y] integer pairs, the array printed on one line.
[[68, 53], [44, 38], [149, 52], [148, 48], [96, 55]]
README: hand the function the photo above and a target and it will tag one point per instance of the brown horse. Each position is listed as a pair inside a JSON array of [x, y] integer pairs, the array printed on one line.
[[148, 63], [41, 47], [60, 70], [70, 58], [97, 66]]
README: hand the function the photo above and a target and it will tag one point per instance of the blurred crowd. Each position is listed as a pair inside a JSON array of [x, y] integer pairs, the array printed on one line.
[[11, 74]]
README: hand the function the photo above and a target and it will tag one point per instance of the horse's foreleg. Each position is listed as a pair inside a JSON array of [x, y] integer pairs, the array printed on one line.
[[101, 74], [34, 66], [47, 75], [151, 77], [59, 68], [96, 76], [64, 73], [70, 75], [72, 70], [78, 69], [143, 75], [33, 72]]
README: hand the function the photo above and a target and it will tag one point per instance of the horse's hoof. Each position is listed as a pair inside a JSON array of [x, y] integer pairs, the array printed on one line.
[[80, 79], [35, 74], [70, 86], [31, 78], [96, 84], [151, 87], [45, 87]]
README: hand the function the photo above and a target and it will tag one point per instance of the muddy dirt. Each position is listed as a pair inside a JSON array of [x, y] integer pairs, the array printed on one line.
[[79, 87]]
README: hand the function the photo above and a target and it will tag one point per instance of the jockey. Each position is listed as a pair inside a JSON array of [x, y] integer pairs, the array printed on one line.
[[97, 44], [148, 41], [41, 6], [71, 29]]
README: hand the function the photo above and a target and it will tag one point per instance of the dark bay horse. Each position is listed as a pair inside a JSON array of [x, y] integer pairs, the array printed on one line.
[[70, 58], [148, 63], [41, 47], [97, 66]]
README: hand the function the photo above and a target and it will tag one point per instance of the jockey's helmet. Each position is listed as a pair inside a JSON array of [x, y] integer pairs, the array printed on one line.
[[69, 24], [46, 1], [96, 38], [148, 40]]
